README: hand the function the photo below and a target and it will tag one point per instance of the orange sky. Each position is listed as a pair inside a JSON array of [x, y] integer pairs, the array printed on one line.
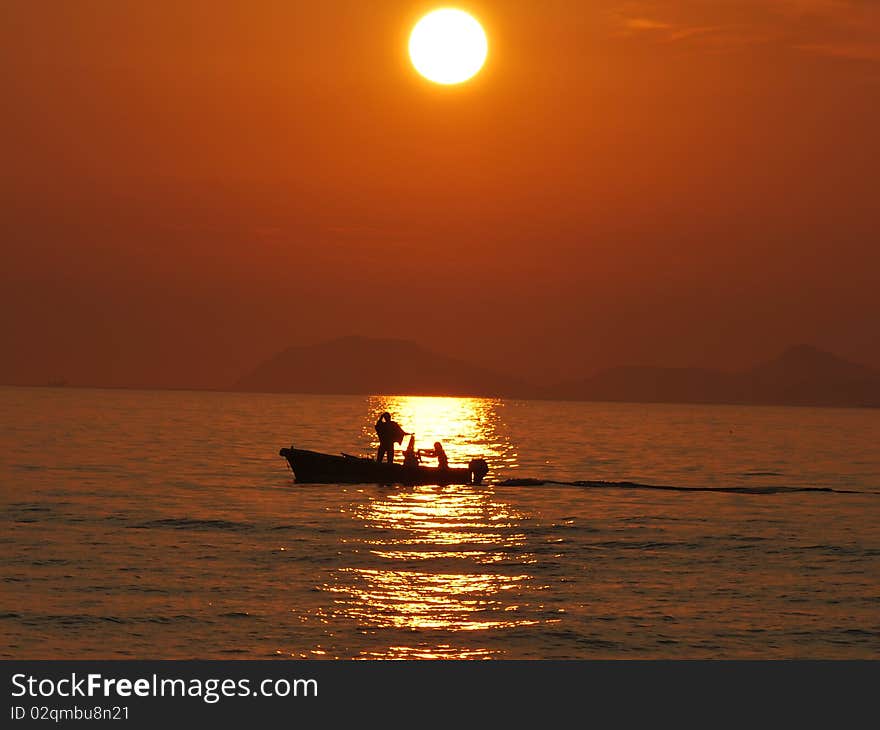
[[189, 187]]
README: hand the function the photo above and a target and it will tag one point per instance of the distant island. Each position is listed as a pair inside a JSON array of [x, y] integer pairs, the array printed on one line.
[[802, 376], [353, 365]]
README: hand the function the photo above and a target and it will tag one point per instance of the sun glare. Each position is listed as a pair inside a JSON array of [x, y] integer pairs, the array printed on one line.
[[448, 46]]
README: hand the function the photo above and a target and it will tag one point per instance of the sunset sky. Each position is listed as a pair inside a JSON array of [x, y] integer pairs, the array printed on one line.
[[189, 187]]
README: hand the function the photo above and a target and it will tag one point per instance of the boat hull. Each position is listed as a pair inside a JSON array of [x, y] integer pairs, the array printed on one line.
[[312, 467]]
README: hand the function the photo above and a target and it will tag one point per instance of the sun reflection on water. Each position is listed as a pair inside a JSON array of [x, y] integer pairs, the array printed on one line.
[[434, 563], [467, 427]]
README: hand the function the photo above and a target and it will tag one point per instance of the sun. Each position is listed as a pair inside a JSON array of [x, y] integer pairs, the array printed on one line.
[[448, 46]]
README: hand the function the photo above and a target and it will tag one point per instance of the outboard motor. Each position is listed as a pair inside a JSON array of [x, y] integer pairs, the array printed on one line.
[[478, 469]]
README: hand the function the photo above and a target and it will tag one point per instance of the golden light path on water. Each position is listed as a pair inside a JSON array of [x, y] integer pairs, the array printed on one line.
[[467, 427], [433, 553]]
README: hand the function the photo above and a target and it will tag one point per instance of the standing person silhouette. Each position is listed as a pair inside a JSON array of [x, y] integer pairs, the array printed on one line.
[[389, 433]]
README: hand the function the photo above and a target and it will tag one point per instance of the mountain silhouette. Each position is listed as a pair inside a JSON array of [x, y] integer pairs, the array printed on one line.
[[356, 365], [801, 375], [805, 375], [647, 385]]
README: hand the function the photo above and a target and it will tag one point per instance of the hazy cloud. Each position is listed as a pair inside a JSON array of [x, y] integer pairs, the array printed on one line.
[[834, 28], [645, 24], [862, 52]]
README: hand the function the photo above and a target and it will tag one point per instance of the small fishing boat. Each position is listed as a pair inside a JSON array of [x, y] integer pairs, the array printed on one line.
[[312, 467]]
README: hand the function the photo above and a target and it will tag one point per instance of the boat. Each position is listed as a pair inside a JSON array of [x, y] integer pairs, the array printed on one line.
[[313, 467]]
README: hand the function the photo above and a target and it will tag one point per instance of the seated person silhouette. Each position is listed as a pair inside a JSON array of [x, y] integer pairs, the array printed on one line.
[[411, 458], [437, 451], [389, 433], [442, 459]]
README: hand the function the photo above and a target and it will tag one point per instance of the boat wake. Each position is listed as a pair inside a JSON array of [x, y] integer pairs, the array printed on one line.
[[633, 485]]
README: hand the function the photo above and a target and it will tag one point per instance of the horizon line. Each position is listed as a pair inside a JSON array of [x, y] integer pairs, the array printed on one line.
[[229, 391]]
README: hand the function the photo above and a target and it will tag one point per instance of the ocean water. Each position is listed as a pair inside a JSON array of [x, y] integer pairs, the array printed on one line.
[[138, 524]]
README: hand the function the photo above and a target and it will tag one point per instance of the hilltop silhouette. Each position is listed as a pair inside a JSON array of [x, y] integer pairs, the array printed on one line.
[[801, 375], [357, 365]]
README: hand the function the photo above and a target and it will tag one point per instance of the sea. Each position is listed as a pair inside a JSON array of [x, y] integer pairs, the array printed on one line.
[[165, 525]]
